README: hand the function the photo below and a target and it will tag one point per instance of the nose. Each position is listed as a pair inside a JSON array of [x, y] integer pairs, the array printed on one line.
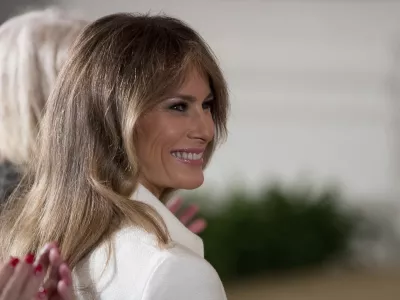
[[202, 127]]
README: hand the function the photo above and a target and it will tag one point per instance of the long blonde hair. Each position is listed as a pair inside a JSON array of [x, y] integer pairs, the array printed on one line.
[[33, 47], [78, 186]]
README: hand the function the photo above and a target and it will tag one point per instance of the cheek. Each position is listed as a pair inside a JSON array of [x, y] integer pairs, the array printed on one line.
[[172, 133], [159, 134]]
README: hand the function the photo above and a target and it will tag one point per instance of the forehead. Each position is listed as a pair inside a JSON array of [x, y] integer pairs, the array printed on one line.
[[195, 83]]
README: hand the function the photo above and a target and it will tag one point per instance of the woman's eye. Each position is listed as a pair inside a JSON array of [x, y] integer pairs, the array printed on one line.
[[207, 105], [179, 107]]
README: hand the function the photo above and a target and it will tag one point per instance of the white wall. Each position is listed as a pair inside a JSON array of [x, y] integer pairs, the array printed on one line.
[[309, 85]]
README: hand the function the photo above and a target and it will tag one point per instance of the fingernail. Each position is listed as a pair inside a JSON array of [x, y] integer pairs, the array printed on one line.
[[30, 258], [42, 293], [14, 261], [38, 269], [44, 249]]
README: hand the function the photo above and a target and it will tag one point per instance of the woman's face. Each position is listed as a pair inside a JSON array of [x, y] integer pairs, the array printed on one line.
[[173, 136]]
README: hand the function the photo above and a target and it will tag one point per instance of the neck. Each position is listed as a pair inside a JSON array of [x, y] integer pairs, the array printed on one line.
[[155, 190]]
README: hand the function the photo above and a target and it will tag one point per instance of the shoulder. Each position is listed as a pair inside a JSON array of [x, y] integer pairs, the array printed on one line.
[[181, 274], [121, 264], [128, 248], [134, 267]]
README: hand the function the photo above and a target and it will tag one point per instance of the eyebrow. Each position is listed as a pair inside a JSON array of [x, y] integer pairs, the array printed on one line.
[[192, 98]]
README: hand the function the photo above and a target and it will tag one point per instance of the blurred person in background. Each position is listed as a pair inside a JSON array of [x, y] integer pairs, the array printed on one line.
[[33, 47], [136, 113]]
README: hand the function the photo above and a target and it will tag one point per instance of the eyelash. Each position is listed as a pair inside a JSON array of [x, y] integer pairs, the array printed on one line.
[[183, 106]]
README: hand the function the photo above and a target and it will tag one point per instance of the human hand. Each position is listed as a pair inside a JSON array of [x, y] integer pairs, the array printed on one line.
[[187, 217], [22, 279], [58, 285]]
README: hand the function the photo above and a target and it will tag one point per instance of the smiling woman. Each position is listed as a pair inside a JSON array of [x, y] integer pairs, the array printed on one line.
[[176, 134], [136, 113]]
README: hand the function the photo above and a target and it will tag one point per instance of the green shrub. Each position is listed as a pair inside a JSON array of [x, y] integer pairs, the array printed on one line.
[[275, 230]]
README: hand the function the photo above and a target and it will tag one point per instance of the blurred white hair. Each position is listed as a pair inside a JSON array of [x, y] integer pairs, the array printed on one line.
[[33, 47]]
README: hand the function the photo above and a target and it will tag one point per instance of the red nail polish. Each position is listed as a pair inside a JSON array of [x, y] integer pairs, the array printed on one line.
[[38, 269], [30, 258], [14, 261]]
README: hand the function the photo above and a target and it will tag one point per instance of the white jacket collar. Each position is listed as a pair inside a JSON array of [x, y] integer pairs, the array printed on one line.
[[179, 233]]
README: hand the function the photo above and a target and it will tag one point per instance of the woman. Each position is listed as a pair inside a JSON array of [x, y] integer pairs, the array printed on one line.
[[33, 47], [136, 114]]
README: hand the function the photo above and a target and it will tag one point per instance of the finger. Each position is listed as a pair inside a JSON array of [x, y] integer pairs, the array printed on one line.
[[6, 271], [33, 283], [43, 259], [16, 284], [41, 295], [64, 286], [65, 274], [198, 226], [43, 256], [65, 290], [55, 261], [174, 205], [189, 214]]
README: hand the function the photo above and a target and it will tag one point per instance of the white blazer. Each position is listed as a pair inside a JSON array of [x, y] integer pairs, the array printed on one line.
[[139, 270]]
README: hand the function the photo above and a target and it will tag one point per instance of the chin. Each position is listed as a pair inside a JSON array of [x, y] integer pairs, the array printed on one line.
[[190, 182]]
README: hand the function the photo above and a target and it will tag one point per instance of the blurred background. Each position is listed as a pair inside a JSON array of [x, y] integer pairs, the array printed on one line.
[[303, 200]]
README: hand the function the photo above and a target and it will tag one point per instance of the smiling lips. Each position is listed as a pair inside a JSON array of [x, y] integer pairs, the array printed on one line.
[[189, 156]]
